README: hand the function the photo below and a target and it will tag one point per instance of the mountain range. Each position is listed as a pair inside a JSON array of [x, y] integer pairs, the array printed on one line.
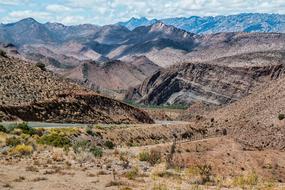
[[246, 22], [155, 63]]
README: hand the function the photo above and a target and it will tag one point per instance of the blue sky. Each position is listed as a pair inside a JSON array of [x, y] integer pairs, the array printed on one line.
[[103, 12]]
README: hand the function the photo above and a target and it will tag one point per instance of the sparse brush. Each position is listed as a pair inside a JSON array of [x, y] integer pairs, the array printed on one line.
[[159, 187], [133, 173]]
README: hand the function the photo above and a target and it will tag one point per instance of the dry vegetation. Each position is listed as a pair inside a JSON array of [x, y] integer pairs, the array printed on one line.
[[86, 158]]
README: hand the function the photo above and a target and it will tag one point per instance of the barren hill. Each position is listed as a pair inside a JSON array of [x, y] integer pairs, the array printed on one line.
[[116, 75], [255, 120], [30, 93]]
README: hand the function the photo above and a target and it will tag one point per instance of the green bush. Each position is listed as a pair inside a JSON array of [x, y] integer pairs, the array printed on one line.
[[13, 141], [96, 151], [3, 129], [109, 144], [55, 139], [281, 116]]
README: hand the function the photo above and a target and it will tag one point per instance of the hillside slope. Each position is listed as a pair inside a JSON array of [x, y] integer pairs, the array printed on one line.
[[29, 93], [253, 120]]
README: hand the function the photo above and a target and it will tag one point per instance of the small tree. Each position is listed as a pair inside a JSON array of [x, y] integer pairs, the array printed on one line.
[[3, 53], [281, 116], [41, 66]]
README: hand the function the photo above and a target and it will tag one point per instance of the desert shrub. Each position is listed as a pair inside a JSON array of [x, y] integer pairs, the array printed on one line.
[[132, 174], [13, 141], [96, 151], [81, 145], [281, 116], [3, 129], [3, 53], [21, 150], [109, 144], [144, 156], [25, 128], [55, 139], [205, 172], [154, 157], [40, 132], [89, 131], [248, 180], [41, 66]]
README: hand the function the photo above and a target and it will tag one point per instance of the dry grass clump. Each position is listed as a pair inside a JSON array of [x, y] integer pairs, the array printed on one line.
[[133, 173], [114, 183], [200, 174], [244, 181]]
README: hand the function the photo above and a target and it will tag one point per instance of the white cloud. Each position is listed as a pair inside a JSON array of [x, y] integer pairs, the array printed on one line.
[[17, 15], [71, 20], [58, 8], [13, 2]]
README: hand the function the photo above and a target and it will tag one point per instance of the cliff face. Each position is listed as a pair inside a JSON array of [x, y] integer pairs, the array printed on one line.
[[31, 94], [207, 83]]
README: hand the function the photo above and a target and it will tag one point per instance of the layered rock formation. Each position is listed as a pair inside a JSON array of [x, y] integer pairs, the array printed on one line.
[[208, 83]]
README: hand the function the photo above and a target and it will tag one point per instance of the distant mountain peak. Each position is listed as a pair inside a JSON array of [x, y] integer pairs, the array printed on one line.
[[28, 20], [137, 22]]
